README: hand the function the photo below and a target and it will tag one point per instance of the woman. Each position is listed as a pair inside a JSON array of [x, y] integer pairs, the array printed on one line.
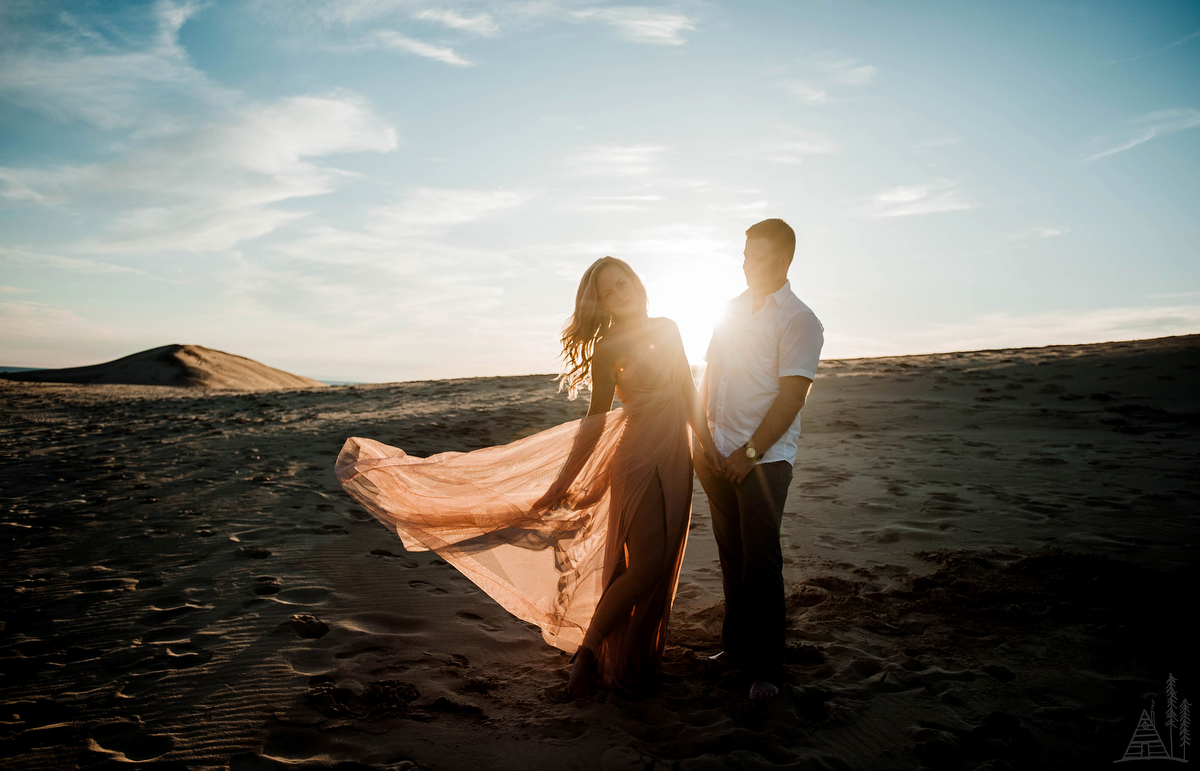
[[579, 529]]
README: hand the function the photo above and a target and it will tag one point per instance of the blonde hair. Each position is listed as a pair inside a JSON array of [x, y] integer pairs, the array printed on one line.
[[587, 325]]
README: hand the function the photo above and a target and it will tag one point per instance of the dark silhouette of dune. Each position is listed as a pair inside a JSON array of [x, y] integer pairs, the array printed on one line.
[[186, 366]]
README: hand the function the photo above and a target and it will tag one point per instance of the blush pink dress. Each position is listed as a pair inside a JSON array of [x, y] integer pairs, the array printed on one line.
[[550, 568]]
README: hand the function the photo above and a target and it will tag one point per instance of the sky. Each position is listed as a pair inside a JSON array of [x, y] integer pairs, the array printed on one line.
[[382, 190]]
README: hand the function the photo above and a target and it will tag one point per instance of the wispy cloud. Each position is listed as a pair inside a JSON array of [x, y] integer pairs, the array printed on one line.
[[394, 40], [793, 149], [212, 187], [1179, 42], [935, 197], [808, 92], [614, 203], [480, 24], [642, 25], [933, 144], [614, 159], [1143, 129], [197, 167], [1032, 234], [31, 258], [435, 210], [365, 25], [849, 72], [1184, 39], [22, 185], [821, 74], [77, 74]]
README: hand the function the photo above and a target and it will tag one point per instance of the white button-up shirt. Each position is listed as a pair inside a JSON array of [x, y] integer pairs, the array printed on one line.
[[754, 350]]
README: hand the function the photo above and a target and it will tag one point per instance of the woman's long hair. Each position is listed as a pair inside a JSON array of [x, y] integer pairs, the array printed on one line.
[[588, 324]]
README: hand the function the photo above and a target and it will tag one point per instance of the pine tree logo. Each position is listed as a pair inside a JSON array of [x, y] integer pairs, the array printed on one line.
[[1147, 744]]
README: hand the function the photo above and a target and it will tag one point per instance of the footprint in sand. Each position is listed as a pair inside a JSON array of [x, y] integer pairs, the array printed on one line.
[[304, 626], [479, 621], [830, 541], [385, 623], [357, 515], [266, 585], [403, 561], [419, 584], [303, 595]]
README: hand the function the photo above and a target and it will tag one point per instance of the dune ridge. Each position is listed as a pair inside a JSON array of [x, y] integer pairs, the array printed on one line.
[[183, 366]]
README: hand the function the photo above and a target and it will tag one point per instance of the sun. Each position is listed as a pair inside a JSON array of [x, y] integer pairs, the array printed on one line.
[[695, 302]]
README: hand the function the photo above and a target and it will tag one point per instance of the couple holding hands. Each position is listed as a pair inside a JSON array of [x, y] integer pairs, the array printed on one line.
[[581, 528]]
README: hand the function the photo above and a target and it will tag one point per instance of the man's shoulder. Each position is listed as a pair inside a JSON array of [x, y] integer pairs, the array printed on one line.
[[792, 306], [732, 307]]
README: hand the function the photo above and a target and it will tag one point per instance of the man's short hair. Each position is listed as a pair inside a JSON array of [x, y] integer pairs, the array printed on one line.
[[778, 233]]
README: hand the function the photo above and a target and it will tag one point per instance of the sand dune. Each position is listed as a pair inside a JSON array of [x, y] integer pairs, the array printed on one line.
[[988, 559], [185, 366]]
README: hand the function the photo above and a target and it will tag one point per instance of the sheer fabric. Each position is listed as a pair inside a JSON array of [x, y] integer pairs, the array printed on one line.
[[549, 568]]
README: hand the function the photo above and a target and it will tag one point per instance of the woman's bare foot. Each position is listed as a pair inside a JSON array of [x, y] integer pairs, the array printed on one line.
[[761, 690], [580, 683]]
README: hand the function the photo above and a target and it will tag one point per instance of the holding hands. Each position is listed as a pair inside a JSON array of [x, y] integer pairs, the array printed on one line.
[[737, 465]]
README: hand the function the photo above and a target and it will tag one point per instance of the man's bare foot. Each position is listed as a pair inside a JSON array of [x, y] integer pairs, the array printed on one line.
[[580, 682], [761, 690]]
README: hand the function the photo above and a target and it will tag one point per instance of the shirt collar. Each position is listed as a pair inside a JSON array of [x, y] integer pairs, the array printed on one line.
[[747, 298], [781, 293]]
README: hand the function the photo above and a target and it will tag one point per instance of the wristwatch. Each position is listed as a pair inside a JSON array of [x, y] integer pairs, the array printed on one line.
[[751, 453]]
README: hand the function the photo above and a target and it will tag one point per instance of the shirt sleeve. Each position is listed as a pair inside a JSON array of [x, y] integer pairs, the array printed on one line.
[[712, 356], [716, 350], [800, 346]]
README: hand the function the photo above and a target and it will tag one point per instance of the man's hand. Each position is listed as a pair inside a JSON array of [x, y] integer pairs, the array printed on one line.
[[737, 466]]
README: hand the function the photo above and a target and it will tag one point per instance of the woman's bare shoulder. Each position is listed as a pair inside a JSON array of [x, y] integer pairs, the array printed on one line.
[[664, 323], [666, 327], [606, 348]]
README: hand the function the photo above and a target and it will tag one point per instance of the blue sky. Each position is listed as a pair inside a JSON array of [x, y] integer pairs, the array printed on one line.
[[391, 189]]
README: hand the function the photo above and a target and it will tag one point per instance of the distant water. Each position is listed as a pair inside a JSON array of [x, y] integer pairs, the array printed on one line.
[[19, 369]]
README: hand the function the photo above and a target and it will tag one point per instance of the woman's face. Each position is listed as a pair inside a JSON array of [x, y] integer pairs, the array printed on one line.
[[618, 293]]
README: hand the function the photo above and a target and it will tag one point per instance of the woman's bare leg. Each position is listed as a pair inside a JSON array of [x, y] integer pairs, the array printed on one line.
[[646, 544]]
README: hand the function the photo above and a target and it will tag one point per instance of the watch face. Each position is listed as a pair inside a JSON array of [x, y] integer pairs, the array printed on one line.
[[751, 453]]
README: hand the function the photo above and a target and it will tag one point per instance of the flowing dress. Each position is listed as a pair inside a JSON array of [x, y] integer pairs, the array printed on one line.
[[550, 568]]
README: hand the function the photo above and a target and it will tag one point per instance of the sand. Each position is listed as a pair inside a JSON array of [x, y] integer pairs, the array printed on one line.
[[990, 565], [186, 366]]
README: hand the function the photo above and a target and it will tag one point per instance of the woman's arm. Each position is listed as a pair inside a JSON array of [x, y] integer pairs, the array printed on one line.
[[604, 386], [696, 416], [604, 378]]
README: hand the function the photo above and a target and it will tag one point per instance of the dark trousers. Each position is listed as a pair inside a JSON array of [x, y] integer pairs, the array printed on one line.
[[746, 520]]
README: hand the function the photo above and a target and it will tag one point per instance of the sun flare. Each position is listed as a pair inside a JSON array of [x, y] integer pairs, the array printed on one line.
[[694, 300]]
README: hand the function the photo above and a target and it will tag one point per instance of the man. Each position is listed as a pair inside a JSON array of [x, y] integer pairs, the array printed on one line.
[[761, 364]]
